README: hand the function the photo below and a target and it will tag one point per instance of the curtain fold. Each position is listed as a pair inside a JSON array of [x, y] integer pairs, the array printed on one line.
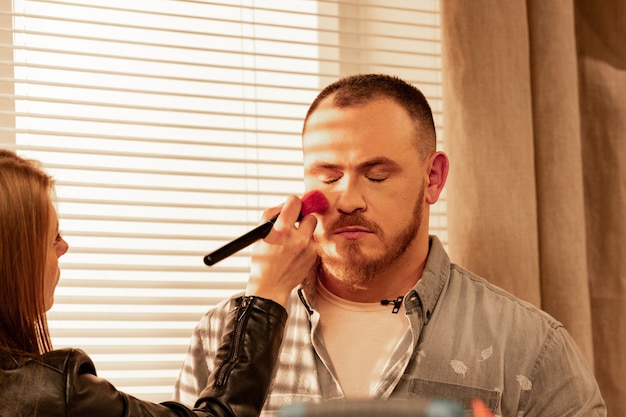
[[559, 168], [601, 44], [535, 119]]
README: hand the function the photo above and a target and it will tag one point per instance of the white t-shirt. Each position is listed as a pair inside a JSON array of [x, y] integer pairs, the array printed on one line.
[[360, 338]]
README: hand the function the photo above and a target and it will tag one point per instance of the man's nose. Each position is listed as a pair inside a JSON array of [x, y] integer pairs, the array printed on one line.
[[350, 197]]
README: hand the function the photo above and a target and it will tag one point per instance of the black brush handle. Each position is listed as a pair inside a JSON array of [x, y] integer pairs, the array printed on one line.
[[241, 242]]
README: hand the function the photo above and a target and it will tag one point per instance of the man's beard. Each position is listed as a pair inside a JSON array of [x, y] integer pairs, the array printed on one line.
[[353, 267]]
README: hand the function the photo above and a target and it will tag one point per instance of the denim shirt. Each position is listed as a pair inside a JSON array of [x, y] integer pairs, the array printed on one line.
[[467, 339]]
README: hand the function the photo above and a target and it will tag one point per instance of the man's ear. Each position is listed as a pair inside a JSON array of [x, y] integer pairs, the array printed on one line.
[[438, 165]]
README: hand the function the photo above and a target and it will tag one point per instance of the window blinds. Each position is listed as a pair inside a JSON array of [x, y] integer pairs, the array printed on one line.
[[169, 126]]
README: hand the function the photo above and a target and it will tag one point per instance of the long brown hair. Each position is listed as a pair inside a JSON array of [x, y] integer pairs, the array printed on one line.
[[25, 195]]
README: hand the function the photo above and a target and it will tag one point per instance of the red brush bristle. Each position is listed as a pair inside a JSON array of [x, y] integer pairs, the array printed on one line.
[[313, 202]]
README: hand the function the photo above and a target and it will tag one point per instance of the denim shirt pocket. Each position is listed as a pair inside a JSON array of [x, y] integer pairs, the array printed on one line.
[[429, 390]]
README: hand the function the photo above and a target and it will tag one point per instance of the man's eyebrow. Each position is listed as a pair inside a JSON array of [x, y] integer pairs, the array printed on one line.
[[323, 166], [377, 162]]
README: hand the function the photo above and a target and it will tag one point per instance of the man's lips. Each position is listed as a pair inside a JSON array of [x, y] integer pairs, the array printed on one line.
[[352, 232]]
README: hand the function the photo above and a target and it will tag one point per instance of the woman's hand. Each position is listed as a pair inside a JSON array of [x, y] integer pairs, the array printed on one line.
[[284, 258]]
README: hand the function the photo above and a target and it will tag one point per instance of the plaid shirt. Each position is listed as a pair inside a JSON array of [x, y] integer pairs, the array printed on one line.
[[466, 339]]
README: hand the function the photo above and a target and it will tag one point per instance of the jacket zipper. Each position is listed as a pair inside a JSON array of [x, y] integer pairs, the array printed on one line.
[[236, 342]]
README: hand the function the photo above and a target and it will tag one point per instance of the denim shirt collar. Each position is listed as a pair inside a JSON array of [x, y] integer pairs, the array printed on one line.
[[424, 295], [421, 299]]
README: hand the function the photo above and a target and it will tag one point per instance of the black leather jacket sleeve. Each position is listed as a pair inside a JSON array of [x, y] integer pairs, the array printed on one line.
[[63, 383], [246, 359]]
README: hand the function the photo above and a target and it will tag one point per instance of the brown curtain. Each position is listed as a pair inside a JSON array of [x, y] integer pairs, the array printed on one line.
[[535, 127]]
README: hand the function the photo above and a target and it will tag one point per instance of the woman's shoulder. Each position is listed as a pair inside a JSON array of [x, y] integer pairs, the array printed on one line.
[[58, 360], [55, 359], [43, 379], [66, 360]]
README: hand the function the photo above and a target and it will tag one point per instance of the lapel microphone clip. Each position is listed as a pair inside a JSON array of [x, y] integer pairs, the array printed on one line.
[[397, 303]]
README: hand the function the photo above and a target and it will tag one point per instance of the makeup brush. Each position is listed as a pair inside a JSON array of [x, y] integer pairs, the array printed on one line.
[[312, 202]]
